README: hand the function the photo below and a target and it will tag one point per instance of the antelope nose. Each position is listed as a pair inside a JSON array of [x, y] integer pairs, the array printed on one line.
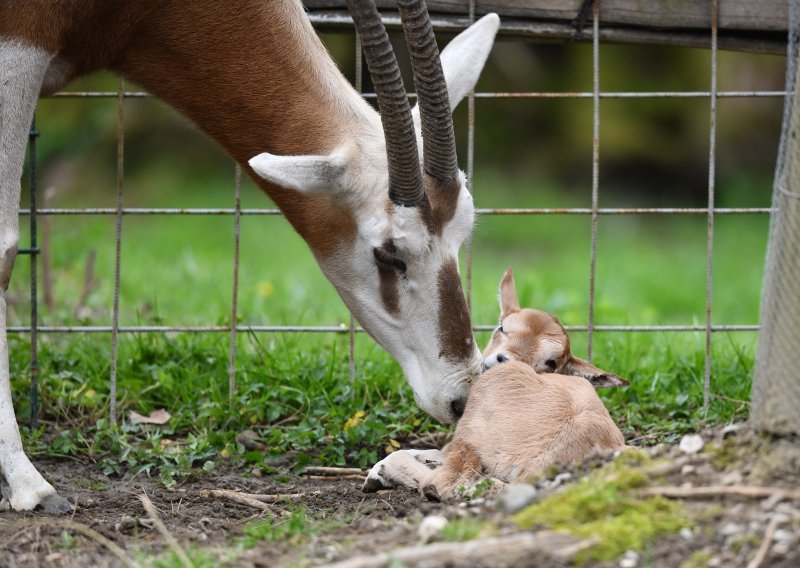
[[458, 406]]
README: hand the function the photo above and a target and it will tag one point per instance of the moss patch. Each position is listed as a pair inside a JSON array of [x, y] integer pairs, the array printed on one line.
[[604, 504]]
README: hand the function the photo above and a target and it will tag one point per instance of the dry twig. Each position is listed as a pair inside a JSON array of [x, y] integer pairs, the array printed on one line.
[[334, 471], [718, 490], [89, 283], [242, 498], [161, 528], [763, 550], [272, 498], [337, 477], [515, 549]]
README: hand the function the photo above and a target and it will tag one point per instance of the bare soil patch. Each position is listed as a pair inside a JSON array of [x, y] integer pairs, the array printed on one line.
[[341, 522]]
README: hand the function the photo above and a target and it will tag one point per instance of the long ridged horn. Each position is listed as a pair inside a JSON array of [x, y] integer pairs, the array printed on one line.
[[405, 179], [438, 138]]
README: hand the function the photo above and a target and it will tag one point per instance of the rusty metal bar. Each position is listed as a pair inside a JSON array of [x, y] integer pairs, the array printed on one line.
[[503, 95], [34, 252], [358, 80], [112, 410], [479, 211], [21, 329], [470, 170], [712, 157], [595, 172], [237, 192]]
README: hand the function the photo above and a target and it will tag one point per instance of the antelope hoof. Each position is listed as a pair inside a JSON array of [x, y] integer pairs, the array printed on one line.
[[431, 494], [375, 481], [55, 504]]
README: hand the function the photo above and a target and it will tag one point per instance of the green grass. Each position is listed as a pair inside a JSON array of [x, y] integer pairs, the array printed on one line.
[[294, 390]]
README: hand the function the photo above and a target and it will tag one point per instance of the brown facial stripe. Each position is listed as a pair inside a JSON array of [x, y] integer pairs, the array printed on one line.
[[440, 206], [389, 281], [455, 329]]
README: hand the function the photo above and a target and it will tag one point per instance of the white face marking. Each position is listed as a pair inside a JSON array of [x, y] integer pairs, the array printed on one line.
[[411, 334]]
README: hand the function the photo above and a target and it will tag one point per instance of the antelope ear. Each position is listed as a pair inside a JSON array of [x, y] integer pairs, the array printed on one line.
[[306, 174], [463, 59], [599, 378], [508, 294]]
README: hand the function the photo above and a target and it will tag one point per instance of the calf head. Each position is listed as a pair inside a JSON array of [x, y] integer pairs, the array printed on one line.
[[538, 339]]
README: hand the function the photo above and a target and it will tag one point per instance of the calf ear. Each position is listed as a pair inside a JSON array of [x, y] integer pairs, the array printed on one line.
[[598, 377], [508, 294]]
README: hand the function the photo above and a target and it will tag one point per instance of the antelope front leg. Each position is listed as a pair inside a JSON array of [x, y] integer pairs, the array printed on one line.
[[22, 69], [407, 468]]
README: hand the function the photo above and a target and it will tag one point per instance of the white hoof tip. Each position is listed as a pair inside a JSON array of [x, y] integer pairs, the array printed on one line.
[[55, 505]]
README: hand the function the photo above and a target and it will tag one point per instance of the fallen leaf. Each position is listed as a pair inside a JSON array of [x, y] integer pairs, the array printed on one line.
[[159, 416]]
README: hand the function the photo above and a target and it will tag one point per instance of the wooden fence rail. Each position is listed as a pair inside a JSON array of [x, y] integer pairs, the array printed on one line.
[[744, 25]]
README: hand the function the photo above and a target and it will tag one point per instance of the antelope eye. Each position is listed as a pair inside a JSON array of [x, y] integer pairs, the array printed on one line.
[[551, 365], [499, 328]]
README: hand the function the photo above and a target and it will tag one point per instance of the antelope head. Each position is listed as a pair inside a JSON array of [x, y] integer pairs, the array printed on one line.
[[412, 210], [538, 339]]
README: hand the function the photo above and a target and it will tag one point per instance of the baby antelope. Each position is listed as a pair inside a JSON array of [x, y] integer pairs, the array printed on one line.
[[534, 406]]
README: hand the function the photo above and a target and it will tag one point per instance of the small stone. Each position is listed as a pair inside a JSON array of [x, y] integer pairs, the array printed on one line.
[[431, 527], [714, 562], [732, 478], [629, 560], [687, 485], [687, 469], [256, 472], [691, 444], [686, 533], [562, 478], [782, 535], [730, 430], [515, 497], [730, 529]]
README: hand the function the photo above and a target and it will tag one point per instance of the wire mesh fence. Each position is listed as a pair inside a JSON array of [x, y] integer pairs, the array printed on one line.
[[236, 212], [776, 386]]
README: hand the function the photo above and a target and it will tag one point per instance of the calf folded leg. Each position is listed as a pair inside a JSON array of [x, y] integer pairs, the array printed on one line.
[[461, 466], [22, 69]]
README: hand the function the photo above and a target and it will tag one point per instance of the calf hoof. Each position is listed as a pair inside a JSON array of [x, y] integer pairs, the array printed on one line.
[[430, 493], [55, 505], [372, 485]]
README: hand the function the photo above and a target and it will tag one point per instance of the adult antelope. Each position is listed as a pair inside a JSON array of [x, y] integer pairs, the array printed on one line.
[[253, 74]]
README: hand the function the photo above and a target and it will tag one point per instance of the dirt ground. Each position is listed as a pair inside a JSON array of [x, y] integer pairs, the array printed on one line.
[[728, 530]]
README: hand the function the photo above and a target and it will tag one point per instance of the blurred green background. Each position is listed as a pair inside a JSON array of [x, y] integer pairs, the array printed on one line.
[[651, 270]]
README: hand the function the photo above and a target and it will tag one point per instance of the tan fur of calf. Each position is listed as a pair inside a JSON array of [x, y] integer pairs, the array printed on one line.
[[521, 417]]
